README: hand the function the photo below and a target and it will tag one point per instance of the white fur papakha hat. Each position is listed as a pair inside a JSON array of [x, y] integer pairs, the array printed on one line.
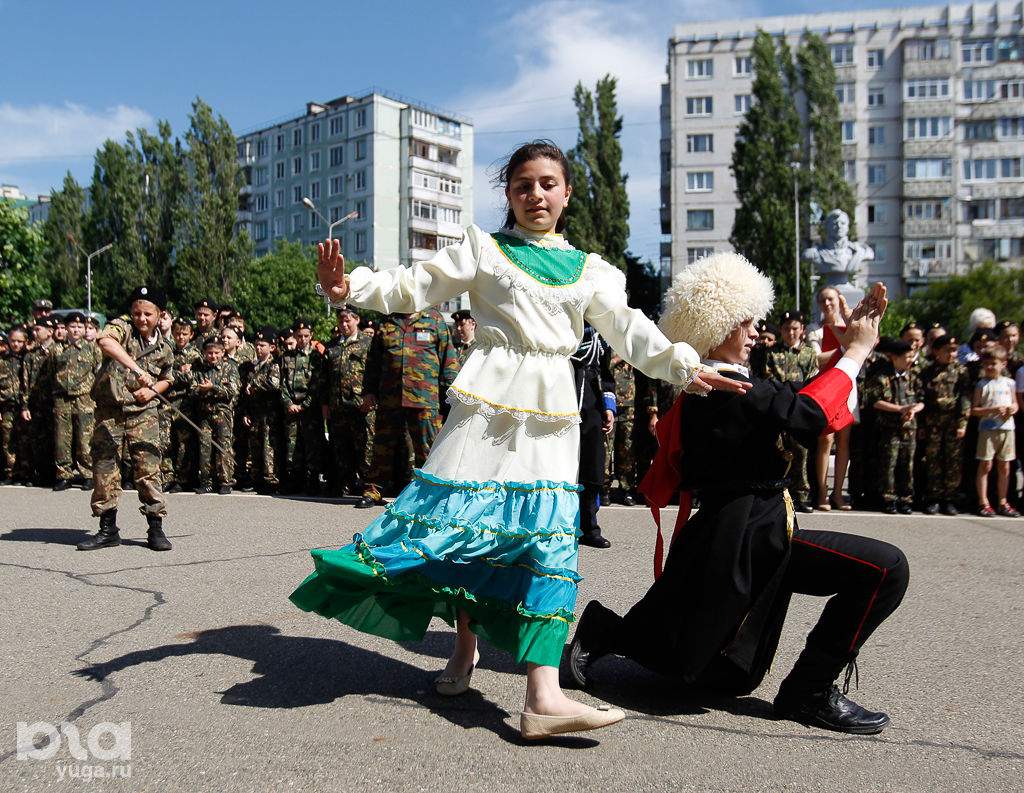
[[711, 297]]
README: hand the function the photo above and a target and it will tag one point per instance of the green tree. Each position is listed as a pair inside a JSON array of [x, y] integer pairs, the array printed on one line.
[[643, 285], [822, 149], [208, 253], [764, 228], [66, 216], [22, 270], [277, 288], [598, 213], [994, 286]]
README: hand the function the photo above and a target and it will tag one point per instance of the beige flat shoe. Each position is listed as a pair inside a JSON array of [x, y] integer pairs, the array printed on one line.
[[448, 685], [535, 726]]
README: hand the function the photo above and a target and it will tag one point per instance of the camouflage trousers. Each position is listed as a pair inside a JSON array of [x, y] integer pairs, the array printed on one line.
[[304, 444], [216, 425], [397, 430], [621, 464], [72, 431], [21, 447], [8, 414], [797, 468], [140, 431], [943, 459], [896, 463], [39, 449], [351, 448], [179, 453], [264, 446]]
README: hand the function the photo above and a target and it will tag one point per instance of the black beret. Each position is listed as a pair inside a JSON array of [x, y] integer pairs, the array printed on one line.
[[983, 334], [213, 339], [153, 294], [945, 340], [267, 334], [458, 316], [884, 344], [74, 316], [1006, 323], [912, 325], [205, 303], [899, 347], [46, 322], [767, 327], [92, 319], [348, 309], [790, 316], [302, 324]]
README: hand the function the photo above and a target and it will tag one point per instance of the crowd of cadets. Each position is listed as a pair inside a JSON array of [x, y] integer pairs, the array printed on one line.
[[935, 428]]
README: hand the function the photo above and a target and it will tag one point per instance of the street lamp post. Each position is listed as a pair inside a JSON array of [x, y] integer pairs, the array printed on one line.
[[330, 226], [796, 225], [88, 268]]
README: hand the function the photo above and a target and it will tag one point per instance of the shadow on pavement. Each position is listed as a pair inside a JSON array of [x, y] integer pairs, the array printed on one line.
[[297, 671], [62, 536]]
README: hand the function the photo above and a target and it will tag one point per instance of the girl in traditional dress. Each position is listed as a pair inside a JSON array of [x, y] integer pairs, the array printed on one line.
[[485, 536]]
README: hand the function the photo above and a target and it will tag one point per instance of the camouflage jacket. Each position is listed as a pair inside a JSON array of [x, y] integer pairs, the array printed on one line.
[[11, 367], [115, 385], [265, 384], [226, 385], [36, 379], [188, 356], [790, 364], [625, 383], [886, 385], [946, 392], [71, 368], [246, 353], [343, 369], [300, 378], [411, 362], [462, 350]]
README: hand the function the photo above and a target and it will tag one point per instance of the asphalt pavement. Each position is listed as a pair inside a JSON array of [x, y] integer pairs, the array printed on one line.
[[191, 671]]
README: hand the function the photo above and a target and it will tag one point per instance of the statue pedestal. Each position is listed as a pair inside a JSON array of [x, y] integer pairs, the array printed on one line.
[[853, 294]]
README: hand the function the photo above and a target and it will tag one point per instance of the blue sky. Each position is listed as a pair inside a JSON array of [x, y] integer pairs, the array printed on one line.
[[77, 73]]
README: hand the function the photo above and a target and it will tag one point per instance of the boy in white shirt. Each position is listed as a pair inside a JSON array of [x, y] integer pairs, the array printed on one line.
[[994, 403]]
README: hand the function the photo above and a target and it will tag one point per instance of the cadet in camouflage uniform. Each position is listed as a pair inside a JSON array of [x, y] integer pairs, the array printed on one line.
[[264, 413], [72, 369], [303, 416], [410, 367], [464, 339], [343, 372], [11, 364], [946, 393], [243, 355], [206, 318], [137, 365], [177, 437], [39, 388], [214, 386], [619, 442], [789, 360], [894, 392]]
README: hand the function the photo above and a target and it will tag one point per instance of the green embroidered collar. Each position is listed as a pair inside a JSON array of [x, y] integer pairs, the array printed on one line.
[[548, 266]]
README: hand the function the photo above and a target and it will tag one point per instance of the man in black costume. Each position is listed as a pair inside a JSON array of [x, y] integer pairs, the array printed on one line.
[[714, 618]]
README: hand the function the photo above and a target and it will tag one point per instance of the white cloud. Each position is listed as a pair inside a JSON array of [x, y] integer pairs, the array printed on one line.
[[48, 132]]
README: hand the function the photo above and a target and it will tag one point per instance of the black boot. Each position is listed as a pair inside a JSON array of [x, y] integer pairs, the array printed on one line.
[[589, 500], [106, 537], [592, 639], [831, 710], [155, 536], [62, 484]]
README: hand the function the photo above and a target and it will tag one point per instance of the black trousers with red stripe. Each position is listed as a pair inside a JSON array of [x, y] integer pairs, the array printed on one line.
[[865, 580]]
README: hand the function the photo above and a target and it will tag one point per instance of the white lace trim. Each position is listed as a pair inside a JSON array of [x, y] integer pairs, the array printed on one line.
[[489, 410]]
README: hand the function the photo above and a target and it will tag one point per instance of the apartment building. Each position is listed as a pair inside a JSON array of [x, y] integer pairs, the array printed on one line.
[[404, 169], [931, 103]]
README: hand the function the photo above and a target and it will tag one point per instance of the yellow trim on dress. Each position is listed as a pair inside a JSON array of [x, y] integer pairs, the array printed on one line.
[[510, 407], [465, 486]]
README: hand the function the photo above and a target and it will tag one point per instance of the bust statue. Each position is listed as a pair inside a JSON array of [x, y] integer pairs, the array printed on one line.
[[839, 260]]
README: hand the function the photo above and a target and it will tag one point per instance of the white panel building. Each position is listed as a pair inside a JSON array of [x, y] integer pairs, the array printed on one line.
[[932, 113]]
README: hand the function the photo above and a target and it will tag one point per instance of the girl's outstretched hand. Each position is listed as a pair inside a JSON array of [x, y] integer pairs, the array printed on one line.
[[863, 321], [708, 380], [330, 270]]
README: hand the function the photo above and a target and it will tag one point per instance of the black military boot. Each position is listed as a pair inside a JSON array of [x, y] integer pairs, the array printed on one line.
[[106, 537], [62, 484], [594, 634], [155, 536]]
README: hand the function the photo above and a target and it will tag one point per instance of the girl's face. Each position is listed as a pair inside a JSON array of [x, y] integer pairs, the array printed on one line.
[[828, 301], [16, 340], [538, 194]]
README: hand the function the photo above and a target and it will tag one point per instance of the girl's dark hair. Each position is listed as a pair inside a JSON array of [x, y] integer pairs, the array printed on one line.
[[535, 150]]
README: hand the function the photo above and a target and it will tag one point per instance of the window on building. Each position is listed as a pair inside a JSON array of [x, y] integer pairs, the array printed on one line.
[[314, 190], [849, 131], [279, 198], [876, 136], [262, 176], [743, 66], [278, 227], [314, 220], [845, 93], [927, 210], [979, 90], [360, 208], [842, 54], [360, 241], [297, 137], [296, 224], [850, 171], [981, 169], [700, 219], [1011, 207], [742, 103], [980, 209], [927, 249], [876, 59], [977, 51], [698, 105], [446, 126], [693, 254], [876, 97], [279, 170], [1010, 168], [980, 130], [297, 194], [700, 181], [927, 50], [337, 212], [262, 147], [360, 180], [449, 214], [879, 249], [1011, 127], [417, 239], [337, 125], [314, 161], [447, 156], [260, 230], [927, 128], [876, 174], [296, 165], [928, 168], [360, 118], [699, 143], [930, 88], [280, 142], [336, 186], [1009, 49], [448, 185], [423, 209], [360, 149], [260, 202], [314, 133], [419, 148], [700, 69], [1011, 89], [337, 154], [876, 213]]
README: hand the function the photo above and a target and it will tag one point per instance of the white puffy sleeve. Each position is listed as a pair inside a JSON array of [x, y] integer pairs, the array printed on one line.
[[631, 334], [422, 285]]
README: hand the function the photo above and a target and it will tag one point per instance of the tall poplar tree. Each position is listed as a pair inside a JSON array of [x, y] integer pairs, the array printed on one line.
[[598, 213], [764, 229], [22, 277], [66, 264]]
